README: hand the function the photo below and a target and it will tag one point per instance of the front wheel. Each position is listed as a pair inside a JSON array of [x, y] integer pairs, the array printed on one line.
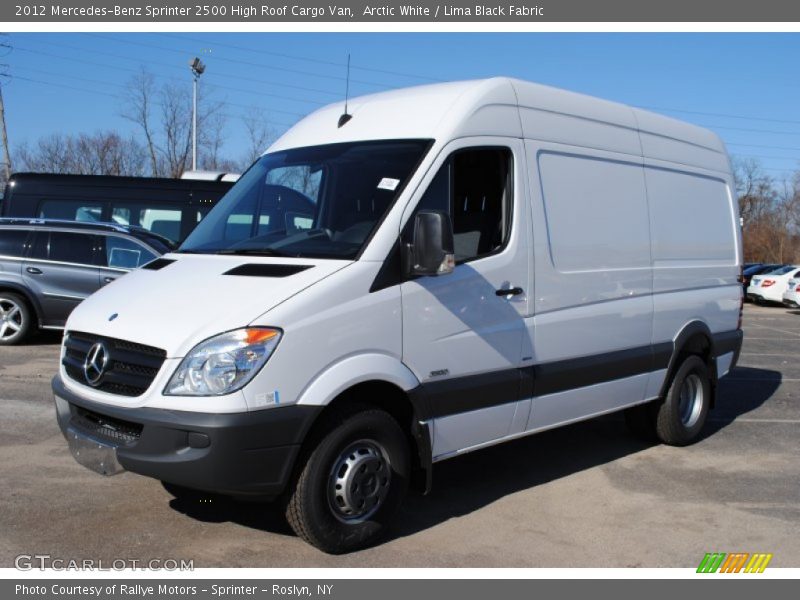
[[352, 482]]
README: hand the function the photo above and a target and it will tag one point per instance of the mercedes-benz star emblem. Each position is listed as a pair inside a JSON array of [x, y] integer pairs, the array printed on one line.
[[95, 364]]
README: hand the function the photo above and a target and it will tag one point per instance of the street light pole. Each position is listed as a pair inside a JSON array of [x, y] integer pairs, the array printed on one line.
[[195, 78], [198, 68]]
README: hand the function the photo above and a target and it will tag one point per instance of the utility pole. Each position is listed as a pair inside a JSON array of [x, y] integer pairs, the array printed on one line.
[[198, 68], [6, 153]]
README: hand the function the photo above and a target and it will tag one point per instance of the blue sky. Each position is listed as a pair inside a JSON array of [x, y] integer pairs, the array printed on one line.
[[746, 83]]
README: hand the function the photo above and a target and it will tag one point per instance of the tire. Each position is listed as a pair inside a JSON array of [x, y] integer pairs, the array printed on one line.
[[682, 414], [16, 319], [352, 482]]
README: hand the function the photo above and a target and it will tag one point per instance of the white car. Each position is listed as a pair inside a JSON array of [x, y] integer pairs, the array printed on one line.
[[791, 297], [769, 287]]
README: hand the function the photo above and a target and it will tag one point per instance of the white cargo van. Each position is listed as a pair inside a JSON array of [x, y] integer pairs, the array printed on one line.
[[445, 268]]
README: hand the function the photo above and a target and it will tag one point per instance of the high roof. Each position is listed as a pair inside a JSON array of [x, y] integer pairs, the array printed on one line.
[[509, 107]]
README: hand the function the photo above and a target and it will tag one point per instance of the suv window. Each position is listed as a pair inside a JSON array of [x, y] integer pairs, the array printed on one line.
[[71, 210], [63, 246], [12, 242], [474, 187], [125, 254]]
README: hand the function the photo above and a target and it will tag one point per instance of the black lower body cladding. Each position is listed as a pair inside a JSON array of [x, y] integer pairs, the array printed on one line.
[[244, 454]]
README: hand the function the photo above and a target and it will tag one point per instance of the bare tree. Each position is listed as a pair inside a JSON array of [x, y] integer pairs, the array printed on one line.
[[139, 109], [176, 123], [101, 153], [259, 135], [164, 115], [755, 190]]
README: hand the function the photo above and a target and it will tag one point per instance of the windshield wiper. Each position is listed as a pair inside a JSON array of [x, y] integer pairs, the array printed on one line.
[[252, 252]]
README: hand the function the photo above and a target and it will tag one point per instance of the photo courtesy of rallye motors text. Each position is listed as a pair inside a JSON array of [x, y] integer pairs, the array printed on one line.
[[436, 270], [144, 591]]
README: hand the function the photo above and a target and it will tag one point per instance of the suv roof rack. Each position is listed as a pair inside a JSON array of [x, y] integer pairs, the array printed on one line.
[[87, 225]]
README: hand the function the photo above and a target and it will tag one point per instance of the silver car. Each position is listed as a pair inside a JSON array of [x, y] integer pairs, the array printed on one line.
[[47, 267]]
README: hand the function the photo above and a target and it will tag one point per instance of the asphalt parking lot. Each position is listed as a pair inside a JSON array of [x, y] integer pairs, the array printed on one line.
[[587, 495]]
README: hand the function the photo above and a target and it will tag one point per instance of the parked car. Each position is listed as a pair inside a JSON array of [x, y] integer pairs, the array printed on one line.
[[168, 207], [770, 286], [482, 260], [757, 269], [791, 297], [48, 267]]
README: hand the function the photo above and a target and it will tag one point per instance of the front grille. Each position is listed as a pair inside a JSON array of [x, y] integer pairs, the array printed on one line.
[[130, 368], [108, 428]]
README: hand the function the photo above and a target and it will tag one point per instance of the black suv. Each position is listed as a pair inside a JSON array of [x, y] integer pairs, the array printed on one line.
[[47, 267]]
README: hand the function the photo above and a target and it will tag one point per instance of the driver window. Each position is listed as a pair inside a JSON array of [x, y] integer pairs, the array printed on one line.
[[474, 187]]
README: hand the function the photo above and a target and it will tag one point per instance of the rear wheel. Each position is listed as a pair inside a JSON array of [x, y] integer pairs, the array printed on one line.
[[352, 482], [681, 416], [677, 419], [15, 319]]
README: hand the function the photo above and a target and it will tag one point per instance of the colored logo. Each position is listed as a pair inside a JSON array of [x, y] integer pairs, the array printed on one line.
[[737, 562]]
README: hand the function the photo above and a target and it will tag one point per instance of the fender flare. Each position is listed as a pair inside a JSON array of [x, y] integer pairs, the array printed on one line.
[[690, 330], [352, 370]]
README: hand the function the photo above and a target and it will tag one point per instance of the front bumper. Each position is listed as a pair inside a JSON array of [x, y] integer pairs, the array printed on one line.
[[250, 453]]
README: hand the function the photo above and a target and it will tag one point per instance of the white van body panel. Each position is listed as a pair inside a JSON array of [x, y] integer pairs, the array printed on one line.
[[338, 333], [190, 294]]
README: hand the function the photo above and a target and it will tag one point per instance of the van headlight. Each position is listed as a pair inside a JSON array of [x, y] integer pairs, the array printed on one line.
[[223, 364]]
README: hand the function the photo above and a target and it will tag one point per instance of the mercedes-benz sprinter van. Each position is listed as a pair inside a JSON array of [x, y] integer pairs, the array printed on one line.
[[441, 269]]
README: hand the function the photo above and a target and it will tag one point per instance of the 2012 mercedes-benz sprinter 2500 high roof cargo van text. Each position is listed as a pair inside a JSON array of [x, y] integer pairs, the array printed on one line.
[[445, 268]]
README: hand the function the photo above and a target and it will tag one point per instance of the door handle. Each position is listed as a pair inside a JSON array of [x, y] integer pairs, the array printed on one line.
[[109, 279], [515, 291], [33, 271]]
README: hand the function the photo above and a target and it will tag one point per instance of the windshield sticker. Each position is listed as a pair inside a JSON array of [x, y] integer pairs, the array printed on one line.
[[387, 183]]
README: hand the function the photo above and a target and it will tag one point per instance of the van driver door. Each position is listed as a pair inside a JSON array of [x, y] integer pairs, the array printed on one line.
[[463, 332]]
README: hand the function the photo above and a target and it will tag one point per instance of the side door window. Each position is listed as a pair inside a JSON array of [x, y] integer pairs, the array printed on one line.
[[68, 247], [474, 187]]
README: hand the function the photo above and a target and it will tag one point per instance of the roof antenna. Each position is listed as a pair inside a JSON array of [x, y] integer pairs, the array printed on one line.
[[345, 117]]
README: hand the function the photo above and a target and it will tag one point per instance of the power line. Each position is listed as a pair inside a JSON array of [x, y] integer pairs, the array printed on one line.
[[792, 148], [296, 57], [772, 132], [238, 61], [62, 85], [116, 96], [173, 79]]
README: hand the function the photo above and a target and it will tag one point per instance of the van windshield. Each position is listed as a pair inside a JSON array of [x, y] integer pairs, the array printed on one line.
[[314, 202]]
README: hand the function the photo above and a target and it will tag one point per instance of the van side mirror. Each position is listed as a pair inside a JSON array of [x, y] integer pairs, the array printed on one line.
[[431, 250]]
